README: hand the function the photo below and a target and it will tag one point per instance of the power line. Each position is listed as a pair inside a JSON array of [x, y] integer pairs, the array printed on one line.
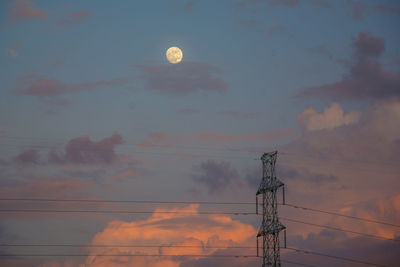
[[297, 263], [191, 255], [125, 201], [339, 214], [340, 229], [332, 256], [211, 148], [294, 154], [130, 255], [188, 213], [142, 246], [191, 155], [190, 202], [124, 212], [149, 152], [125, 246]]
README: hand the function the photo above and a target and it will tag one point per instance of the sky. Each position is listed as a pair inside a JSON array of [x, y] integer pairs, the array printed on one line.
[[90, 108]]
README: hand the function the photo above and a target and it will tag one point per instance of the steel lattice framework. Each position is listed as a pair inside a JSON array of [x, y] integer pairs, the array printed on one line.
[[270, 226]]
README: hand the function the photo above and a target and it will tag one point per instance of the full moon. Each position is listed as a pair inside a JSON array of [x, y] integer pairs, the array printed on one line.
[[174, 55]]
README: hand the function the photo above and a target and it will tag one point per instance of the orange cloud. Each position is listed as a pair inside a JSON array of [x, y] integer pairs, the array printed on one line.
[[198, 234]]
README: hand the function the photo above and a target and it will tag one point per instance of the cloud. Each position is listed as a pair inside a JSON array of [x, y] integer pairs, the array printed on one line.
[[157, 139], [47, 186], [215, 176], [384, 253], [74, 18], [377, 130], [366, 79], [368, 46], [387, 10], [30, 156], [189, 228], [360, 9], [189, 6], [37, 85], [353, 155], [13, 50], [25, 10], [125, 174], [289, 174], [386, 209], [82, 150], [183, 78], [331, 117]]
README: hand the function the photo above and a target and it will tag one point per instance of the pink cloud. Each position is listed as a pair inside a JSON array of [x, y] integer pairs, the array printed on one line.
[[355, 153], [37, 85], [331, 117], [25, 10], [360, 9], [126, 174], [387, 10], [74, 18], [189, 6], [13, 50]]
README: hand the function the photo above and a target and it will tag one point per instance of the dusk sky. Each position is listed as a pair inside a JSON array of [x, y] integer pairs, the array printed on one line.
[[91, 109]]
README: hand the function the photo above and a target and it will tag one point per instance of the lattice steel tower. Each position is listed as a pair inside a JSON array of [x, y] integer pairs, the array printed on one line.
[[270, 226]]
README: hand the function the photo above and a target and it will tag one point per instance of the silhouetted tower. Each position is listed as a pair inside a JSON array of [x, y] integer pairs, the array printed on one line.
[[270, 226]]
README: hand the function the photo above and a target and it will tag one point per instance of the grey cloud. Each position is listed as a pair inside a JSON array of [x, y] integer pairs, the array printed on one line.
[[83, 150], [366, 78], [30, 156], [215, 176]]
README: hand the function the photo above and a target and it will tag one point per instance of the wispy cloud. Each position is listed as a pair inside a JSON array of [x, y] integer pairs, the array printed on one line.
[[163, 139], [13, 50], [25, 10], [37, 85]]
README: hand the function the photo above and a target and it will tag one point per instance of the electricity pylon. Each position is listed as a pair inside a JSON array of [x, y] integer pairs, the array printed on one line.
[[270, 226]]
